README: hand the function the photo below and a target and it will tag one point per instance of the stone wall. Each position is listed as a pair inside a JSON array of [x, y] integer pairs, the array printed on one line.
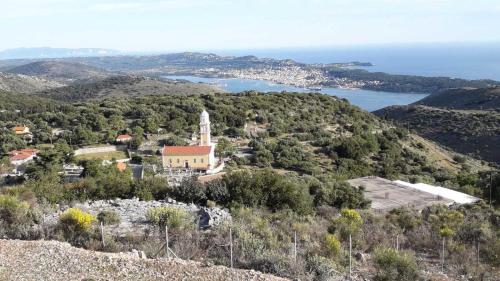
[[132, 213]]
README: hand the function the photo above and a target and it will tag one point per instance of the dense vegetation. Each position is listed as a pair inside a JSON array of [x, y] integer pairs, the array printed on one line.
[[302, 146], [467, 121], [406, 83], [465, 99]]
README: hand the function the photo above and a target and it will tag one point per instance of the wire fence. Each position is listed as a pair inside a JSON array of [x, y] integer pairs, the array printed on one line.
[[169, 237]]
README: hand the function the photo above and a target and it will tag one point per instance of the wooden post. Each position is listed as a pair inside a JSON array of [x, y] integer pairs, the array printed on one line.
[[102, 235], [231, 245], [166, 241], [397, 242], [442, 257], [478, 252], [295, 246], [350, 256]]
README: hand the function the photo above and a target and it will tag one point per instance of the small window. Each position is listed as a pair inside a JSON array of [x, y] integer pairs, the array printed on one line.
[[201, 160], [170, 161], [178, 161], [194, 160]]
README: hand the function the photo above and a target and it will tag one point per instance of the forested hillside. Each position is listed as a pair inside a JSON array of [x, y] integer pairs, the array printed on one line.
[[465, 120], [124, 86], [302, 148]]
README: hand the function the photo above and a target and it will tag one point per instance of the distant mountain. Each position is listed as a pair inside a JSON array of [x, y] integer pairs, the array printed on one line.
[[16, 83], [61, 71], [45, 52], [465, 120], [483, 98], [125, 86], [187, 61]]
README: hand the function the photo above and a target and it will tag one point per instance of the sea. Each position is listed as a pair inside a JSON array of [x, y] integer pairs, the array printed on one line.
[[457, 60]]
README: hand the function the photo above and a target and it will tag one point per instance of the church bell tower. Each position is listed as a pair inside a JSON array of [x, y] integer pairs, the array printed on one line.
[[205, 129]]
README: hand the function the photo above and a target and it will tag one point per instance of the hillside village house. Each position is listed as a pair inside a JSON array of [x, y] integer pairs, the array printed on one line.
[[22, 156], [123, 138], [21, 130], [199, 157]]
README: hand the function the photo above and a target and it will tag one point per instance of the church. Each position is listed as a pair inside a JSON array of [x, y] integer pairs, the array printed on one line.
[[199, 157]]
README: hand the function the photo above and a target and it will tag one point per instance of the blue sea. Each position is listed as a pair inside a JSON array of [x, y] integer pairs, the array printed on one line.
[[468, 61], [458, 60]]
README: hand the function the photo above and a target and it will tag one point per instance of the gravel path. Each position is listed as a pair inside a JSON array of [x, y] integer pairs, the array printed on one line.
[[52, 260]]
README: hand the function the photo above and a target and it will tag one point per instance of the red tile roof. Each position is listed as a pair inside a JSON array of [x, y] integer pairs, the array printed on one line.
[[123, 137], [186, 150], [121, 166], [19, 129], [22, 154]]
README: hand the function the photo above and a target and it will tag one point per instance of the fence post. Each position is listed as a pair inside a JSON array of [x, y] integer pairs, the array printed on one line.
[[478, 252], [350, 257], [166, 241], [295, 246], [442, 257], [231, 245], [102, 235]]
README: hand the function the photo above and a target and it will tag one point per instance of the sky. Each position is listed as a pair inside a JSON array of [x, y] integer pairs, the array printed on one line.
[[182, 25]]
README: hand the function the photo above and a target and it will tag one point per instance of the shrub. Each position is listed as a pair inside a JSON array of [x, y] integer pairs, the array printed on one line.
[[109, 217], [349, 223], [191, 191], [12, 210], [17, 218], [211, 204], [216, 190], [173, 217], [393, 265], [332, 245], [77, 219], [151, 188]]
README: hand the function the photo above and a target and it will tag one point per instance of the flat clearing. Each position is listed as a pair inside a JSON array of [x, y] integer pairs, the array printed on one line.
[[117, 155], [387, 195]]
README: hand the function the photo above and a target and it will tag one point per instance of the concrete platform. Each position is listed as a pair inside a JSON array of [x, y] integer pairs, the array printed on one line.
[[387, 195]]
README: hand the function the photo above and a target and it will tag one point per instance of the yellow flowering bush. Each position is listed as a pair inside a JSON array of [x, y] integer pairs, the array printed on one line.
[[332, 244], [77, 218]]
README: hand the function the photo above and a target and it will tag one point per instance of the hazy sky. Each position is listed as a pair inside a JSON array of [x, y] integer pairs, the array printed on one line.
[[160, 25]]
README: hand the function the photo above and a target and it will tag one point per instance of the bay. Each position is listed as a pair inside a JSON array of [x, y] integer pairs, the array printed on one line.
[[367, 100]]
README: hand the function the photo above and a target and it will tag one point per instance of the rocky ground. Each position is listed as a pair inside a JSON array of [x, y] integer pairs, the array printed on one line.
[[132, 213], [51, 260]]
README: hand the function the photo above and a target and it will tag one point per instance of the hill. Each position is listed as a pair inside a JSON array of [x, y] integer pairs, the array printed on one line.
[[482, 98], [61, 71], [25, 84], [465, 120], [52, 260], [286, 71], [124, 86]]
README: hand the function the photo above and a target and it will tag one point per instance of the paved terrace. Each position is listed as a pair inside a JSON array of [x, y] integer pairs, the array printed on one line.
[[387, 195]]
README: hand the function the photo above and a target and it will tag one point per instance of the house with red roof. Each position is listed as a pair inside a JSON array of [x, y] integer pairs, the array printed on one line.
[[123, 138], [22, 156], [21, 130], [199, 157]]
